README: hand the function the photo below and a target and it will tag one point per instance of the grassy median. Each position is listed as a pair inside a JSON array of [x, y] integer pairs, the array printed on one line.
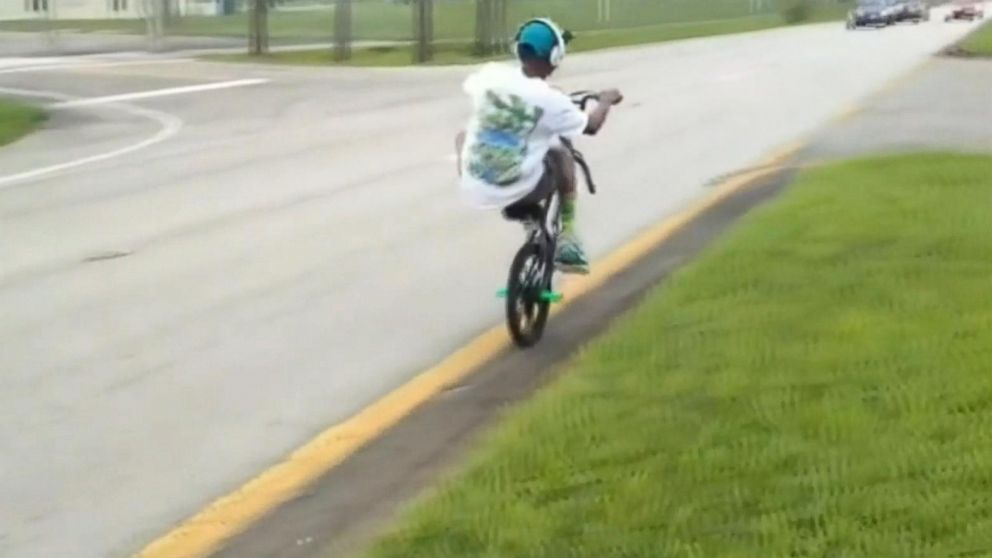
[[979, 43], [816, 384], [17, 120]]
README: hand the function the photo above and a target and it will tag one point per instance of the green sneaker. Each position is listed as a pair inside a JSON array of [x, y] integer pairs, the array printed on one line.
[[570, 257]]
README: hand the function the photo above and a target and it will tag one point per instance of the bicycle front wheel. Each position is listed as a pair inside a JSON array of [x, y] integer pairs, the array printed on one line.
[[526, 308]]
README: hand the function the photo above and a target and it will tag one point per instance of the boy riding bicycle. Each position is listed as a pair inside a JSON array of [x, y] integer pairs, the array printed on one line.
[[511, 148]]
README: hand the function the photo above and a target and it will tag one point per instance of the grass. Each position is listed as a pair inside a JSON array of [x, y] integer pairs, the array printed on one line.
[[379, 56], [979, 43], [631, 22], [461, 52], [454, 19], [17, 120], [816, 384]]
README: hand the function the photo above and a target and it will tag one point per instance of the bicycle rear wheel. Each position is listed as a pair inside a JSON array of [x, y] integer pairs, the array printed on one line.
[[526, 308]]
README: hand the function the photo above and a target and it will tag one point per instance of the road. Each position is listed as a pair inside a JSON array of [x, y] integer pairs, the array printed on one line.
[[262, 261], [908, 119]]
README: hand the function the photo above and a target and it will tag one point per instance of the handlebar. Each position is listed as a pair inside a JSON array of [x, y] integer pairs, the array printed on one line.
[[582, 98]]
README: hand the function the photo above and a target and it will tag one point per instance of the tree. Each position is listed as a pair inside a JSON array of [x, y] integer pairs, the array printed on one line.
[[258, 35], [154, 12], [481, 26], [490, 27], [500, 22], [342, 30], [423, 30]]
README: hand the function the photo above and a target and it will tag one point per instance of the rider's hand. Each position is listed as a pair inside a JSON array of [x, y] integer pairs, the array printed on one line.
[[611, 96]]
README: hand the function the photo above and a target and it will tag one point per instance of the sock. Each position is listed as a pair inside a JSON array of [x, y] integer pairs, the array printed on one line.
[[568, 214]]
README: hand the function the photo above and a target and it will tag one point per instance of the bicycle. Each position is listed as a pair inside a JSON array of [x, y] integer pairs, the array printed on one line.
[[529, 292]]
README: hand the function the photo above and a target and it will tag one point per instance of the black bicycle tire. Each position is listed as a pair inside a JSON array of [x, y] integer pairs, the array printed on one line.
[[526, 339]]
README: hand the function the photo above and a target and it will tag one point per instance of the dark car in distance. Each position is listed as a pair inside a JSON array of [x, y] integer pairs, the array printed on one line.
[[913, 10], [872, 13], [965, 9]]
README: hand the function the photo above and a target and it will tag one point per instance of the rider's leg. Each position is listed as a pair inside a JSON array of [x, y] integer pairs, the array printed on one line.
[[565, 164], [570, 257]]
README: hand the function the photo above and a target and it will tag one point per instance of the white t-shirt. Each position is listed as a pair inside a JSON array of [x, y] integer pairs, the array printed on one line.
[[515, 121]]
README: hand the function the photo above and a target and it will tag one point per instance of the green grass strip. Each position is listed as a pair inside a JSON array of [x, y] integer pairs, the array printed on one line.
[[979, 43], [453, 19], [818, 383], [17, 120], [461, 52]]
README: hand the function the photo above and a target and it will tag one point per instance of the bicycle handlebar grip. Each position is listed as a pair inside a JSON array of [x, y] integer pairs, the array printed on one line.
[[582, 98]]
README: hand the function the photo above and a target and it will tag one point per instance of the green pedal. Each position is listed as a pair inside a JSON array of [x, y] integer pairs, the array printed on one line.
[[551, 296], [546, 296]]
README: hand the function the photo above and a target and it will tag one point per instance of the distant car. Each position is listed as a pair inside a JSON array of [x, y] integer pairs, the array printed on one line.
[[913, 10], [872, 13], [900, 9], [965, 9]]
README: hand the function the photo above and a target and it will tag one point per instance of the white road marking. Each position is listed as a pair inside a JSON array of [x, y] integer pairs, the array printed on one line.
[[86, 102], [170, 126], [27, 65], [20, 62], [41, 94]]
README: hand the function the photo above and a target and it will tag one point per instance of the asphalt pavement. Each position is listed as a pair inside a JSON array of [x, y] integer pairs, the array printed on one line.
[[946, 105], [261, 261]]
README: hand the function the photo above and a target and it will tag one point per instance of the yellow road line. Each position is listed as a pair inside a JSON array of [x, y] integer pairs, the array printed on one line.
[[208, 530]]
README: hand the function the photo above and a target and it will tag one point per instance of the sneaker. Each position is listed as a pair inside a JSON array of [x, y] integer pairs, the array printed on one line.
[[570, 257]]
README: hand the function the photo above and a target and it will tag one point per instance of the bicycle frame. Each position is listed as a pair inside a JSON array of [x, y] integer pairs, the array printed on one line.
[[540, 212], [529, 289], [547, 221]]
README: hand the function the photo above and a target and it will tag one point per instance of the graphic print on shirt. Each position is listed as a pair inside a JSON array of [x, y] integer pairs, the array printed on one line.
[[501, 140]]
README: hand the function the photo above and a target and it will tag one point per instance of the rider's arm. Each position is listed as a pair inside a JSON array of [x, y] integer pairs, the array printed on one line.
[[598, 116]]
